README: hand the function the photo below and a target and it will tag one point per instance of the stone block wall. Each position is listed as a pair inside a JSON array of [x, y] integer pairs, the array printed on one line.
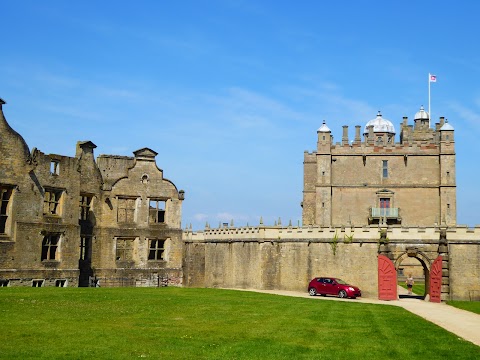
[[288, 258]]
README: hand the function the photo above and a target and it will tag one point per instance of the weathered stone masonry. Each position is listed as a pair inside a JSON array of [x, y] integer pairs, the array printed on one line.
[[287, 258], [65, 221]]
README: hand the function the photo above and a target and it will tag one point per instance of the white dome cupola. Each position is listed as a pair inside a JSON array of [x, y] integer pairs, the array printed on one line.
[[380, 125], [421, 114]]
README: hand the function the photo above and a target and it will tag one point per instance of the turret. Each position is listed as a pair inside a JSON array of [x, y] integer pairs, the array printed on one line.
[[324, 142]]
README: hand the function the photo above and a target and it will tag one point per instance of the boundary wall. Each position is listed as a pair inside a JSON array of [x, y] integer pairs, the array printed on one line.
[[287, 258]]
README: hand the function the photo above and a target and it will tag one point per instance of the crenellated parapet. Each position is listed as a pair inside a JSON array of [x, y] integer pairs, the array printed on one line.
[[343, 234]]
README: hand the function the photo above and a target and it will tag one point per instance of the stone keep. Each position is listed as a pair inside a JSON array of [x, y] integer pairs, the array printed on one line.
[[378, 180]]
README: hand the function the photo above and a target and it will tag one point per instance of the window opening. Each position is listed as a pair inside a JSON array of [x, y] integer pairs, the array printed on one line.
[[85, 202], [50, 246], [126, 210], [157, 250], [156, 211], [51, 202], [61, 283], [85, 247], [54, 167], [385, 168], [124, 251], [37, 283], [6, 193]]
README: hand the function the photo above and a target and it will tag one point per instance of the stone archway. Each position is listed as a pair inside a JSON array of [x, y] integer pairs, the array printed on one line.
[[424, 261]]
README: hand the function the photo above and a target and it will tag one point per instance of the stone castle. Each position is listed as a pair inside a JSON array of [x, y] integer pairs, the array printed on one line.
[[116, 220]]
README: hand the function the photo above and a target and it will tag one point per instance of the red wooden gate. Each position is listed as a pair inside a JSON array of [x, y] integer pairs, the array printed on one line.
[[387, 279], [436, 280]]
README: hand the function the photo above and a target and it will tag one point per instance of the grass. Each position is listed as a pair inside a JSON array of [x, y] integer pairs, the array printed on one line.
[[180, 323], [418, 288], [473, 306]]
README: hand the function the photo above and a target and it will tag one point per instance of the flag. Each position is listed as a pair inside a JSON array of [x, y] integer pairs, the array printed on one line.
[[432, 78]]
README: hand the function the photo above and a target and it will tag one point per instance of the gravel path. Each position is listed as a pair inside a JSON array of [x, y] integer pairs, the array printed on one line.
[[464, 324]]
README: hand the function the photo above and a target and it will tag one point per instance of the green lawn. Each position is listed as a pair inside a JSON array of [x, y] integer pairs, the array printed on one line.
[[473, 306], [178, 323], [418, 288]]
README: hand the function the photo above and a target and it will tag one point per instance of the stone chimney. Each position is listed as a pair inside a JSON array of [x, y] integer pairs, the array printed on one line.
[[371, 135], [357, 139], [345, 135]]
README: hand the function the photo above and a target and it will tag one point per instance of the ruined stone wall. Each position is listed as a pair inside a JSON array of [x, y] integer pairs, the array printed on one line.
[[59, 223]]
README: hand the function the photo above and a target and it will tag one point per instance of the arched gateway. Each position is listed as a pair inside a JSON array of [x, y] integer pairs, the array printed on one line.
[[432, 264]]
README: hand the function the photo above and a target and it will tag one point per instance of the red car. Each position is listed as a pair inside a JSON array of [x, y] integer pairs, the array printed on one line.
[[332, 286]]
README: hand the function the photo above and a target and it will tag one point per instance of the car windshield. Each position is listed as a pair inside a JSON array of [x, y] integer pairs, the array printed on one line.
[[341, 282]]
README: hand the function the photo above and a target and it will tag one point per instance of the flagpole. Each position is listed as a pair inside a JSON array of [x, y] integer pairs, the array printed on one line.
[[429, 112]]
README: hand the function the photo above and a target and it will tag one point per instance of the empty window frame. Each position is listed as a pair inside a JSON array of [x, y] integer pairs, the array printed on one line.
[[55, 167], [126, 209], [85, 247], [385, 168], [61, 283], [124, 249], [51, 202], [156, 211], [6, 194], [38, 283], [85, 201], [157, 249], [50, 245]]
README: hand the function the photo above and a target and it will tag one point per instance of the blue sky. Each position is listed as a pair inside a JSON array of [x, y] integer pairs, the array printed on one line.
[[230, 93]]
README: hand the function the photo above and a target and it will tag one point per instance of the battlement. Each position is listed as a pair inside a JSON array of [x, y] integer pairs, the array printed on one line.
[[411, 148], [263, 233]]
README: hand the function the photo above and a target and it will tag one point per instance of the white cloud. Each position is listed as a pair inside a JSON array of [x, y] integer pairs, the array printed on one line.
[[472, 117]]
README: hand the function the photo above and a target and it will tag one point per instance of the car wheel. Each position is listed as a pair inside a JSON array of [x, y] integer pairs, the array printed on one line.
[[312, 291], [342, 294]]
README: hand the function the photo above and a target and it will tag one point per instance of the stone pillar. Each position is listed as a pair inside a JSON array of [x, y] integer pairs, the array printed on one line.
[[443, 252], [383, 247]]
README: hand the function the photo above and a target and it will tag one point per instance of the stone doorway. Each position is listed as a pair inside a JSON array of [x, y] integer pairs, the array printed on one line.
[[413, 262]]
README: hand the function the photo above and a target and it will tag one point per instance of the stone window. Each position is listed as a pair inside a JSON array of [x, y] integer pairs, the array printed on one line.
[[61, 283], [156, 211], [124, 249], [126, 210], [50, 247], [51, 202], [385, 168], [85, 247], [6, 194], [38, 282], [157, 249], [85, 201], [54, 167]]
